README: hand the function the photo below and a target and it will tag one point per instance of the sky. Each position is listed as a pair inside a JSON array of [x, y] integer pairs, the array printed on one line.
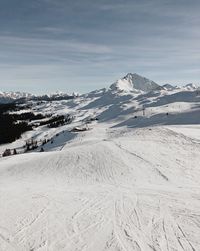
[[83, 45]]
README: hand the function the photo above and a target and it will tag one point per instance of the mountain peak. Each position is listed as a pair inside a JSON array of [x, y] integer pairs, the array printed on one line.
[[190, 86], [134, 82]]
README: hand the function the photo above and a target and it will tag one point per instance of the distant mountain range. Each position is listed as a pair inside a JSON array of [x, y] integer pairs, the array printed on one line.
[[133, 83], [136, 83], [9, 97]]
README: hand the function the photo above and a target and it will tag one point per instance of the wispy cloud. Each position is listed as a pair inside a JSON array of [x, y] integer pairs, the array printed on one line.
[[98, 41], [63, 45]]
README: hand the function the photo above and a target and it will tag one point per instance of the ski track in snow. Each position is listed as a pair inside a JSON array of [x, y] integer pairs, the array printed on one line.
[[109, 219], [110, 212]]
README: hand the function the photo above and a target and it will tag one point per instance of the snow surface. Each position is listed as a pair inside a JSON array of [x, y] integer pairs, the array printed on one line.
[[131, 182]]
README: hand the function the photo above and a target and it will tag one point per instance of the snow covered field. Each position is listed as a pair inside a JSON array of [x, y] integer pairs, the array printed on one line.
[[129, 183]]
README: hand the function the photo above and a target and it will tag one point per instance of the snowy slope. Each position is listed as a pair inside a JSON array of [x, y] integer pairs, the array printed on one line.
[[109, 192], [130, 182]]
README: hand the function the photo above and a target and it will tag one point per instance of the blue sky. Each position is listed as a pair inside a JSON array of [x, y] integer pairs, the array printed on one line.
[[82, 45]]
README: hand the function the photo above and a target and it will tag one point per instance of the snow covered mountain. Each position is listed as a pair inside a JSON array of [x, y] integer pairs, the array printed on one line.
[[169, 87], [134, 83], [190, 86], [9, 97], [122, 175], [131, 83]]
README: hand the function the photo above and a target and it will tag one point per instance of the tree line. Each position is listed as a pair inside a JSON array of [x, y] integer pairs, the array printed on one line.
[[13, 125], [10, 128]]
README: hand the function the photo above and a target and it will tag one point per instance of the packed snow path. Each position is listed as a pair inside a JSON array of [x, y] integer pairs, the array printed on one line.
[[108, 189]]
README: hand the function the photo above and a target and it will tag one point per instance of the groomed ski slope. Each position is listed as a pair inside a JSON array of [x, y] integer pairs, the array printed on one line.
[[116, 189]]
